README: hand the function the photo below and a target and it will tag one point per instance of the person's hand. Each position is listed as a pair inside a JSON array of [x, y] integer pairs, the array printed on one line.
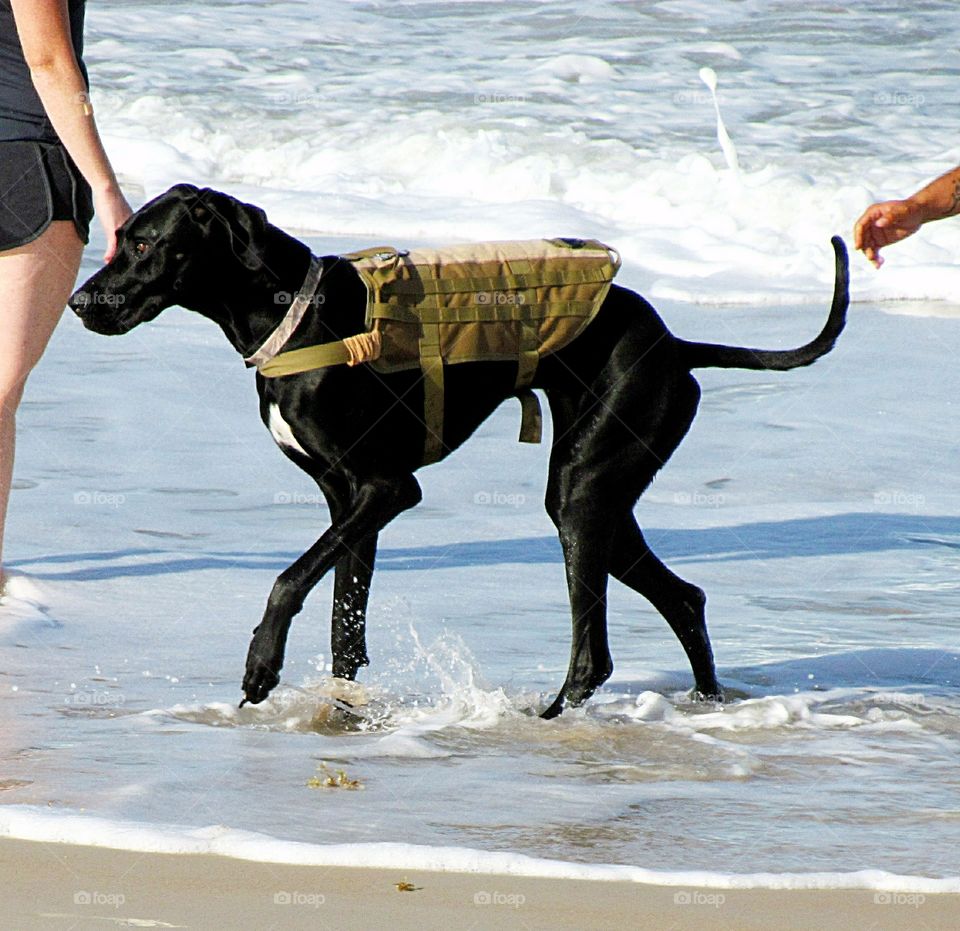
[[112, 209], [884, 224]]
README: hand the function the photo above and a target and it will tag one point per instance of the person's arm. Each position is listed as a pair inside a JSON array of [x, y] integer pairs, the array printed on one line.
[[888, 222], [44, 30]]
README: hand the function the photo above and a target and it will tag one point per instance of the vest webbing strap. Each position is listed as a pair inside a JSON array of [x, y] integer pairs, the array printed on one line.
[[532, 310], [531, 417], [436, 286], [431, 364], [296, 361]]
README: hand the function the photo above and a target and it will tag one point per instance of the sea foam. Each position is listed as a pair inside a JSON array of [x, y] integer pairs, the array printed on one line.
[[36, 825]]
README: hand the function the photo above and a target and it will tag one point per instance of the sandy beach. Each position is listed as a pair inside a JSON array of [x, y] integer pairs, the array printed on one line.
[[53, 886]]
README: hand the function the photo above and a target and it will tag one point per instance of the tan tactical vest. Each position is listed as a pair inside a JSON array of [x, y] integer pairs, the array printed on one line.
[[496, 301]]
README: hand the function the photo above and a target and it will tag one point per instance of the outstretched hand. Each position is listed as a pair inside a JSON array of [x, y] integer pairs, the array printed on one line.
[[884, 224]]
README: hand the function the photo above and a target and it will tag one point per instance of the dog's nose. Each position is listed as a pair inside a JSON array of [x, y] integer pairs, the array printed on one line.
[[80, 301]]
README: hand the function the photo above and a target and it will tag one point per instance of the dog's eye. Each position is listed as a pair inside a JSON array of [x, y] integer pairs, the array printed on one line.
[[141, 247]]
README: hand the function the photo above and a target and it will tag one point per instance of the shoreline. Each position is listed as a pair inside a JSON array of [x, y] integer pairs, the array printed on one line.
[[56, 885], [75, 829]]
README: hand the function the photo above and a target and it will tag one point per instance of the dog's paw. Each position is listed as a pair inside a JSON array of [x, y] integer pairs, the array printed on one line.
[[554, 710], [258, 683], [262, 676], [713, 696]]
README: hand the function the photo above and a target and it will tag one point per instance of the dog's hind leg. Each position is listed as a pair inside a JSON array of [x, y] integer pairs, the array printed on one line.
[[348, 626], [680, 602], [634, 563], [608, 445], [590, 661], [585, 540], [575, 504], [376, 503]]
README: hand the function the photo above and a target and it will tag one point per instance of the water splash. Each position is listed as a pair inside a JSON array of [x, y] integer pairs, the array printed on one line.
[[709, 77]]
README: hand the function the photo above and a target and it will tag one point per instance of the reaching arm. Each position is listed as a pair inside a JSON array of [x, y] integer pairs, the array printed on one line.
[[44, 30], [886, 223]]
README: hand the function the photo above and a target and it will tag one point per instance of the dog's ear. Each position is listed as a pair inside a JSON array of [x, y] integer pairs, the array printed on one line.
[[248, 227], [245, 224]]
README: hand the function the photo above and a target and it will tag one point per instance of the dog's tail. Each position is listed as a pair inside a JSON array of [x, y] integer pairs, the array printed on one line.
[[710, 355]]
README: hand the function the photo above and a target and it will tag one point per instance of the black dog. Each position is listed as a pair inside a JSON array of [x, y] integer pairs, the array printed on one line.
[[621, 396]]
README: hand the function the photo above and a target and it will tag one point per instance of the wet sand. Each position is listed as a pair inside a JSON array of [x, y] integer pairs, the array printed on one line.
[[61, 886]]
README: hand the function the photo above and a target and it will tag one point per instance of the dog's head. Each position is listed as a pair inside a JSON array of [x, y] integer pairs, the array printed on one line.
[[179, 248]]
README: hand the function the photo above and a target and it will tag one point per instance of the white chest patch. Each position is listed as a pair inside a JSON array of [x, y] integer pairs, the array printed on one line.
[[281, 431]]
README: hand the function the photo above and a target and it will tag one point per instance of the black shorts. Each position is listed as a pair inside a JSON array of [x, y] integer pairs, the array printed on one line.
[[39, 183]]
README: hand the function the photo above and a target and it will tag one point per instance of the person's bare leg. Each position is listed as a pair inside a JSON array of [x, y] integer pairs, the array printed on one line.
[[35, 282]]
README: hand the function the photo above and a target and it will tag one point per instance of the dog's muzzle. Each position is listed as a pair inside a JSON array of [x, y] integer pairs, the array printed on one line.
[[99, 311]]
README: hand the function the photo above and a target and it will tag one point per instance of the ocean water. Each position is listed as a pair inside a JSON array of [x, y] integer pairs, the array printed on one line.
[[819, 509], [460, 120]]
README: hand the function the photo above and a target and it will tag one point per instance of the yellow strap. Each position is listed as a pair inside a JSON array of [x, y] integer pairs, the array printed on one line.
[[481, 312], [354, 350], [431, 364], [304, 360], [455, 284], [531, 417], [529, 356]]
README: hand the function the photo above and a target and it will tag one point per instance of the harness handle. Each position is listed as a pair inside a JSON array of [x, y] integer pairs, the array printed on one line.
[[383, 254]]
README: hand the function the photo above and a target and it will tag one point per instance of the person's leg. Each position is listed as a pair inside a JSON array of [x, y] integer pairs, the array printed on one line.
[[35, 282]]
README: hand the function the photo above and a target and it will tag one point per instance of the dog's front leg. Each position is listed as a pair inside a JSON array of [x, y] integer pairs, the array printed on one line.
[[348, 626], [375, 504], [351, 588]]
